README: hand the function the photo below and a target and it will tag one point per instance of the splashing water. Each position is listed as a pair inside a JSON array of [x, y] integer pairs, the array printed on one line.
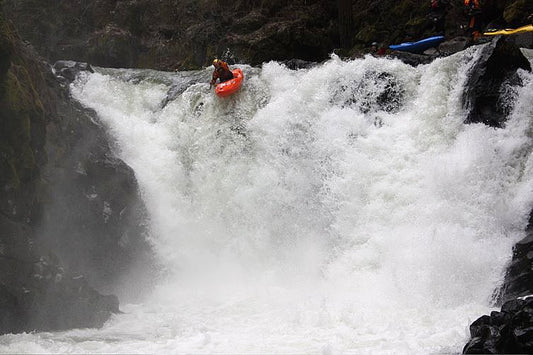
[[340, 209]]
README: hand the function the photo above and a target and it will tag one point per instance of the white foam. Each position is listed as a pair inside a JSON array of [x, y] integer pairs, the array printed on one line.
[[299, 217]]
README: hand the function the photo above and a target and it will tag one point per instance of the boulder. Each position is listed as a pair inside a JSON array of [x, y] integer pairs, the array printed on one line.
[[489, 80], [37, 293], [54, 157], [518, 280], [67, 70], [453, 45], [295, 64], [105, 234], [509, 331], [413, 59]]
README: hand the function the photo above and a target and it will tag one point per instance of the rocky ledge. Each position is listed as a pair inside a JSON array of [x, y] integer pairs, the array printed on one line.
[[71, 219], [509, 331], [187, 34]]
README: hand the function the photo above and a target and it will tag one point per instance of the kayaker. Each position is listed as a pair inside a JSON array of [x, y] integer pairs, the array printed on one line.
[[377, 50], [221, 72]]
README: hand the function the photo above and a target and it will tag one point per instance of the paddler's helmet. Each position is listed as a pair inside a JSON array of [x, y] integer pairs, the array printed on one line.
[[217, 62]]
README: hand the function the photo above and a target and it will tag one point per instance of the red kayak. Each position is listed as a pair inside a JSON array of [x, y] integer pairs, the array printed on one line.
[[231, 86]]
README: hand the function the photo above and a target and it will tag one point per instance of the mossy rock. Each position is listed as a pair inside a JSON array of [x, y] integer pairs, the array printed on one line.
[[367, 34], [516, 14], [19, 107], [6, 50]]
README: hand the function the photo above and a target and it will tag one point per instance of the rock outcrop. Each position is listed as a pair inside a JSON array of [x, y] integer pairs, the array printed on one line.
[[187, 34], [176, 34], [509, 331], [59, 220], [518, 280], [490, 78], [104, 236]]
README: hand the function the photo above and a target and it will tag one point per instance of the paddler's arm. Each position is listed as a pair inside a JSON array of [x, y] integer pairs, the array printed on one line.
[[214, 79]]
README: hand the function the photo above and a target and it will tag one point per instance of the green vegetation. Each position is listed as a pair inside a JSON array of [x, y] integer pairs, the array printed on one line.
[[21, 114]]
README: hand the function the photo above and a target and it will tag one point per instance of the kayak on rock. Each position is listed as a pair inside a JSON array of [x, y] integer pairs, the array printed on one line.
[[420, 46], [231, 86]]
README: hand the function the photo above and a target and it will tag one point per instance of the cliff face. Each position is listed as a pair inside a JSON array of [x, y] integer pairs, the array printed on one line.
[[52, 162], [186, 34], [175, 34]]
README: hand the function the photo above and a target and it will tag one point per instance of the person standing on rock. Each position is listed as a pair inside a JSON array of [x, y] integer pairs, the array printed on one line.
[[221, 72], [437, 15], [474, 12]]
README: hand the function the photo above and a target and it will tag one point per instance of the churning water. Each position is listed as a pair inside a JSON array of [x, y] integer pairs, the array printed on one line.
[[340, 209]]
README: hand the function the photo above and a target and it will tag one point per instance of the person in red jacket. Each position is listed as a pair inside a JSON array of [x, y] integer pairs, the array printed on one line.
[[473, 9], [221, 72]]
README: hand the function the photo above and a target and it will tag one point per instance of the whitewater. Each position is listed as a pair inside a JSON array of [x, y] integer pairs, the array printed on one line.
[[340, 209]]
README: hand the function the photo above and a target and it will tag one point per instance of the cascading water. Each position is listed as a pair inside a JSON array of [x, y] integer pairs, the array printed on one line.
[[340, 209]]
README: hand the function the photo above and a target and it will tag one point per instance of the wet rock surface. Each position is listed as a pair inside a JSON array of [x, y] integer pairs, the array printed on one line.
[[37, 293], [93, 217], [67, 70], [174, 34], [57, 242], [518, 280], [491, 80], [509, 331]]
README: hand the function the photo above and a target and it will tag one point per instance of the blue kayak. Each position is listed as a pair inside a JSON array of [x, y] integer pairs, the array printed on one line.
[[420, 46]]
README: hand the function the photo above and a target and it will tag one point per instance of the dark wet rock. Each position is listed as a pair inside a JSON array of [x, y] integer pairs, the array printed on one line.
[[51, 157], [295, 64], [491, 79], [104, 235], [519, 276], [453, 45], [522, 40], [182, 83], [37, 293], [509, 331], [188, 34], [413, 58], [375, 91], [68, 69], [113, 47], [176, 34], [301, 37]]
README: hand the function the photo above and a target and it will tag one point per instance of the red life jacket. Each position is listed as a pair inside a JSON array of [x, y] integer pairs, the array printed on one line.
[[472, 4], [222, 72]]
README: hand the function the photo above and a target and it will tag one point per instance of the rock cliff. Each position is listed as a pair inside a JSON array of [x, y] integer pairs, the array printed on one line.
[[58, 220], [187, 34]]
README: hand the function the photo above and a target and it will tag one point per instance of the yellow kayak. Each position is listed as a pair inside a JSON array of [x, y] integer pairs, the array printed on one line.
[[528, 28]]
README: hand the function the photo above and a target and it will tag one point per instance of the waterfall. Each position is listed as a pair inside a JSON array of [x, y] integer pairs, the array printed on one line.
[[344, 208]]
